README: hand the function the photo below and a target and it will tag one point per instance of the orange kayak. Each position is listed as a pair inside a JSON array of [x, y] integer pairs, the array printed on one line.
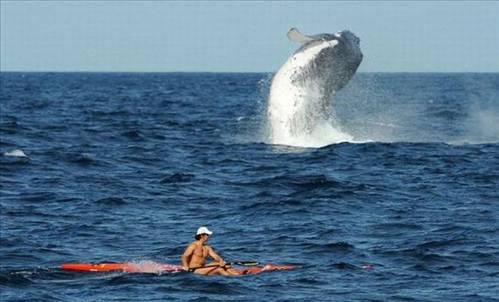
[[154, 267], [127, 267]]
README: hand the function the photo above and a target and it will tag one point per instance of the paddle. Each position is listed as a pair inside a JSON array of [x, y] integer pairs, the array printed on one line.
[[245, 263], [241, 263]]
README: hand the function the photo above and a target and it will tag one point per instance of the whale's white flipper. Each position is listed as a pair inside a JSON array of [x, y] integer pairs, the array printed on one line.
[[296, 36]]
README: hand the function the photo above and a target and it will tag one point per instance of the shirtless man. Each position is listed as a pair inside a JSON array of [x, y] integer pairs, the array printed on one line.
[[194, 257]]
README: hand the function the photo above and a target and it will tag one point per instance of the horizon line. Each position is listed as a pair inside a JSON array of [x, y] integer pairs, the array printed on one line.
[[226, 72]]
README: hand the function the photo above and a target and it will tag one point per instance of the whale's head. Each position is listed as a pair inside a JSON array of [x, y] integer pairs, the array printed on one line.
[[345, 37], [332, 58]]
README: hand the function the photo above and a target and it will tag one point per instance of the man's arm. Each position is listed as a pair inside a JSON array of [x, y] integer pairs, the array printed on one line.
[[187, 255], [215, 256]]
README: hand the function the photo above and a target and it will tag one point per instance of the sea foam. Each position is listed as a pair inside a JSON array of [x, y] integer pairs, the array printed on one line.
[[15, 153]]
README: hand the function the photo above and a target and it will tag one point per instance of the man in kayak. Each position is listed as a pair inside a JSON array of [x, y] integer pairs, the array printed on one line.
[[194, 257]]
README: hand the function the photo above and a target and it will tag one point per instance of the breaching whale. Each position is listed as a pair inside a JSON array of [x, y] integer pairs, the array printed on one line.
[[299, 105]]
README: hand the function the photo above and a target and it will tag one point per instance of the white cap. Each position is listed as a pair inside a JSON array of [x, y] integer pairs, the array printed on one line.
[[203, 230]]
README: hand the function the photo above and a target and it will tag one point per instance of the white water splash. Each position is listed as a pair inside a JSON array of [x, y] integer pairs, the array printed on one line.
[[15, 153]]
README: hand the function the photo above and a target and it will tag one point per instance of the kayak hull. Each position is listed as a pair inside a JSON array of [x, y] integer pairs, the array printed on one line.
[[154, 267]]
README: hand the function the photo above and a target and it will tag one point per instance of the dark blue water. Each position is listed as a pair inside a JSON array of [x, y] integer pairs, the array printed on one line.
[[125, 167]]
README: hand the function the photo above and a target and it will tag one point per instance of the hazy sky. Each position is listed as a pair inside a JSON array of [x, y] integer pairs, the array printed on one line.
[[242, 36]]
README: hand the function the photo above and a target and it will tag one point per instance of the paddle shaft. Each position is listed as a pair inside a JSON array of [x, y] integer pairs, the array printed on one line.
[[242, 263]]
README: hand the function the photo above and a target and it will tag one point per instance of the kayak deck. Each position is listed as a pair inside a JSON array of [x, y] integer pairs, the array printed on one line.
[[154, 267]]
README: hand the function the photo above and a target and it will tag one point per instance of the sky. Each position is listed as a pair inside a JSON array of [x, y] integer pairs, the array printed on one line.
[[247, 36]]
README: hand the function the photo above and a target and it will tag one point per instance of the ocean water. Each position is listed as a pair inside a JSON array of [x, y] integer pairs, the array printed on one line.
[[119, 167]]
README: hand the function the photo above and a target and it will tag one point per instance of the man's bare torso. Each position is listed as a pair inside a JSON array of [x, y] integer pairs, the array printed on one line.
[[198, 258]]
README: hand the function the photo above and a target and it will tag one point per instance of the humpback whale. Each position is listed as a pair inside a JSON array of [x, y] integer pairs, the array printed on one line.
[[299, 106]]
